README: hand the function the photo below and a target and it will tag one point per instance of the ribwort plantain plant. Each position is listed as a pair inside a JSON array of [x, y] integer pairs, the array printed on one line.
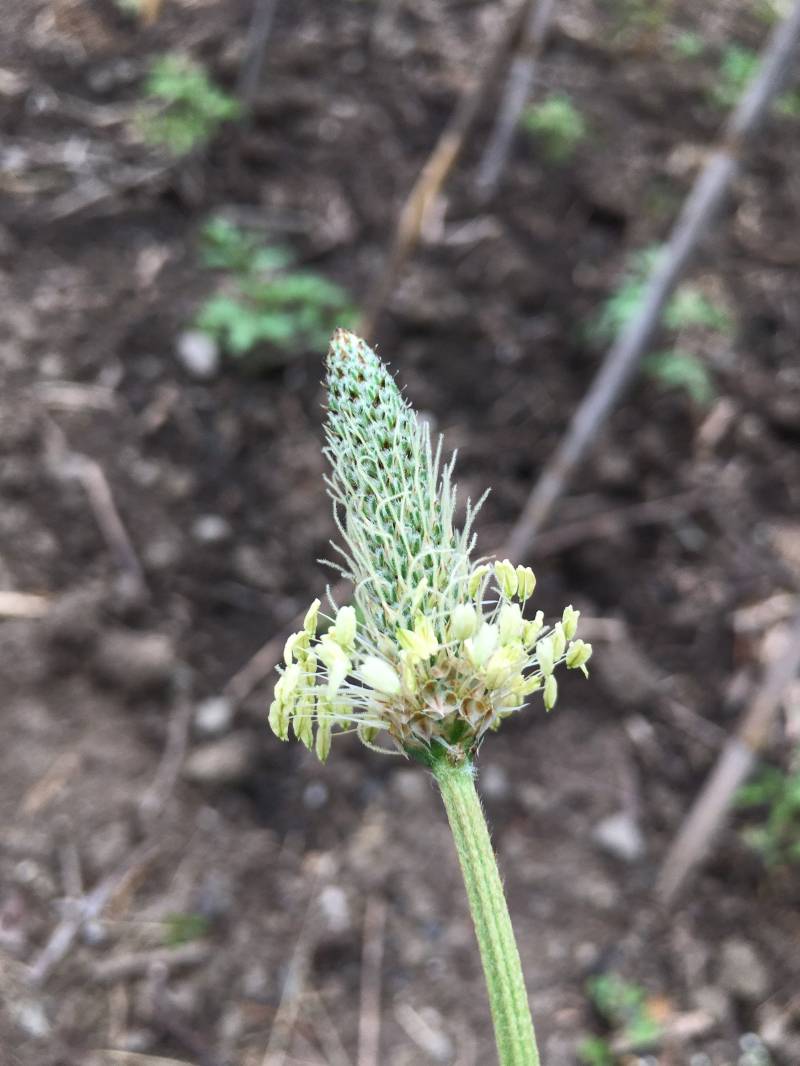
[[435, 651]]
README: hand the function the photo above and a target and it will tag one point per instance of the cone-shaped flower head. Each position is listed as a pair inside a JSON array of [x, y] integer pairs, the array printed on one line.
[[436, 649]]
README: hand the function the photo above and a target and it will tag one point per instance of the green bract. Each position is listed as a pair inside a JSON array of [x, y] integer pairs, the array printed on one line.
[[437, 650]]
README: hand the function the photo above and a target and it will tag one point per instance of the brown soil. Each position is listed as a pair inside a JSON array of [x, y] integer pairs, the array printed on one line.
[[290, 869]]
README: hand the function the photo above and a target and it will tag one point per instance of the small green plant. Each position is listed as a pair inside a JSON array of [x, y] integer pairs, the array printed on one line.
[[184, 928], [687, 44], [595, 1051], [737, 67], [184, 107], [624, 1007], [689, 309], [266, 304], [557, 125], [435, 652], [774, 796]]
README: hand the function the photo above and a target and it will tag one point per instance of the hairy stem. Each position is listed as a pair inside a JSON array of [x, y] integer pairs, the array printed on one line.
[[508, 1000]]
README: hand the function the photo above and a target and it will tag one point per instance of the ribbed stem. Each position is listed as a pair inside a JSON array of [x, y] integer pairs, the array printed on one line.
[[508, 1000]]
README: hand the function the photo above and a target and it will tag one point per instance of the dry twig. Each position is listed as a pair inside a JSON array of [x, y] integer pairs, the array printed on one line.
[[23, 605], [693, 222], [86, 909], [71, 465], [518, 87], [369, 1020], [732, 768], [426, 189]]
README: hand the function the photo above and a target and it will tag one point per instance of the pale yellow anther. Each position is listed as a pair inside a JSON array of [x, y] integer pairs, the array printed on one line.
[[337, 662], [279, 719], [476, 579], [500, 665], [545, 657], [379, 675], [343, 630], [310, 620], [506, 576], [578, 655], [481, 646], [510, 622], [569, 620], [526, 582], [532, 629], [464, 622], [559, 641], [421, 640], [550, 692]]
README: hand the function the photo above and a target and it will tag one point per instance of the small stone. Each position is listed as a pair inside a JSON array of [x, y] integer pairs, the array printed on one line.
[[198, 354], [494, 783], [30, 1017], [620, 836], [335, 909], [220, 762], [742, 971], [213, 716], [135, 661], [315, 795], [211, 529]]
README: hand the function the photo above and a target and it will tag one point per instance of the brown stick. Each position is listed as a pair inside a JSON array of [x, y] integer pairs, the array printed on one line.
[[692, 224], [257, 38], [433, 175], [709, 811], [519, 84], [369, 1019], [72, 465]]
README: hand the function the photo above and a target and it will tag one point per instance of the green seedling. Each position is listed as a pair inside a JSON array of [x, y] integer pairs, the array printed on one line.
[[689, 309], [624, 1007], [557, 125], [737, 68], [184, 108], [688, 45], [184, 928], [773, 796], [265, 305], [434, 653]]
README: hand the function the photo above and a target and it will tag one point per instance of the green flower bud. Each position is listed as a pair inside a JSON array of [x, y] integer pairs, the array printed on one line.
[[463, 622], [379, 675], [570, 621], [506, 577], [550, 692], [526, 582], [510, 622]]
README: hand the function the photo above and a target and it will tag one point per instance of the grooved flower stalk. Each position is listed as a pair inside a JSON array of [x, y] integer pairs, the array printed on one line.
[[508, 1000]]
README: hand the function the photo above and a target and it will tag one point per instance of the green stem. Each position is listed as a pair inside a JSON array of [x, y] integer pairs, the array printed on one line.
[[508, 1000]]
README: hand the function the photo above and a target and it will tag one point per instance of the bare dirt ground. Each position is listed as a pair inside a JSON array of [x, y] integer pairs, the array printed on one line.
[[238, 897]]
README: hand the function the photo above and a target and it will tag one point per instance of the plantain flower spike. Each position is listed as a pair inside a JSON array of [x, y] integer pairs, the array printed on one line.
[[435, 650]]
